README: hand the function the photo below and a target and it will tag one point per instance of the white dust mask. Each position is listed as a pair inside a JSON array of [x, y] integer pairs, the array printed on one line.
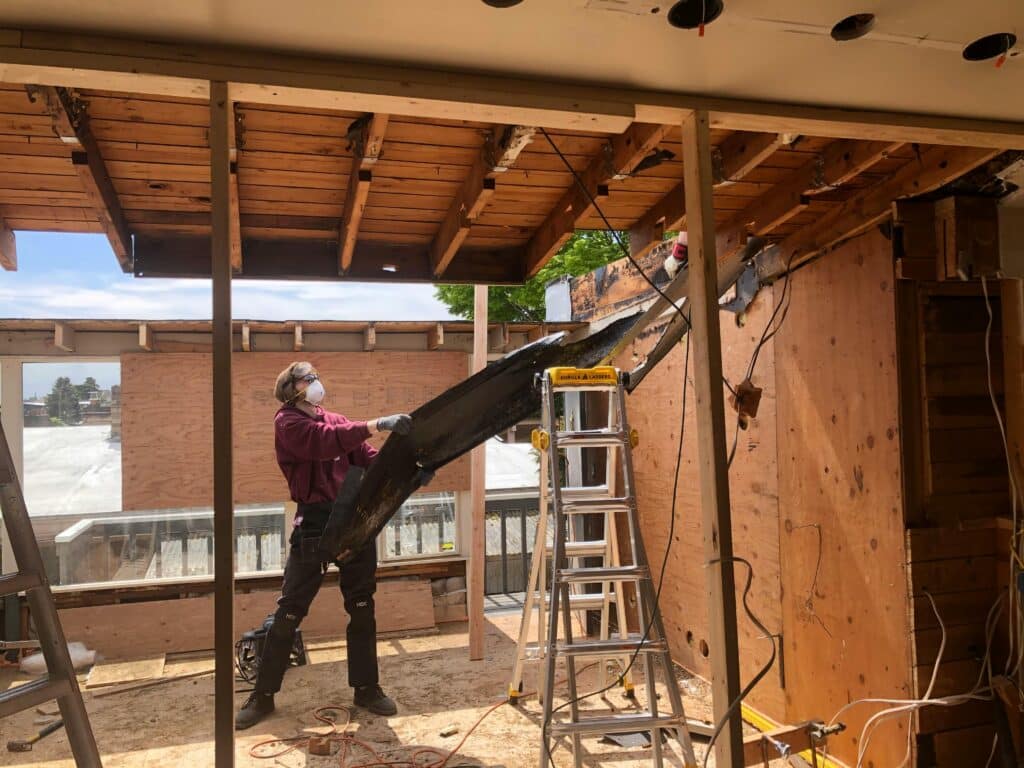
[[314, 393]]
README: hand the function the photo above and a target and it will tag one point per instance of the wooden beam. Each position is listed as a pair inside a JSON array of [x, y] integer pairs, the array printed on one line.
[[71, 124], [502, 147], [63, 336], [369, 338], [935, 167], [498, 338], [716, 520], [741, 153], [536, 334], [223, 461], [761, 749], [236, 221], [246, 338], [297, 343], [477, 490], [264, 76], [621, 156], [8, 249], [1012, 305], [435, 337], [366, 139], [145, 337]]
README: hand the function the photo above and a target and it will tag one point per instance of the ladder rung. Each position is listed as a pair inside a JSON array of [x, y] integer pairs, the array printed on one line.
[[32, 694], [612, 646], [591, 438], [20, 581], [593, 506], [588, 601], [594, 575], [583, 548], [641, 721], [574, 492]]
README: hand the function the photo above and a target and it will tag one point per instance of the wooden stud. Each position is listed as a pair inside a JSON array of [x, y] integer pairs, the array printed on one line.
[[1012, 305], [623, 154], [537, 333], [145, 337], [236, 221], [477, 486], [716, 520], [435, 337], [8, 249], [369, 338], [297, 344], [246, 338], [63, 336], [741, 153], [498, 338], [223, 472], [71, 124], [366, 139]]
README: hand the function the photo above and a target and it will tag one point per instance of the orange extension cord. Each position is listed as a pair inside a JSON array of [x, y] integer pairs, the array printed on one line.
[[348, 740]]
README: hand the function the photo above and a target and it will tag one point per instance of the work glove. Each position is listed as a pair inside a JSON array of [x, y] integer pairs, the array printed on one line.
[[400, 423]]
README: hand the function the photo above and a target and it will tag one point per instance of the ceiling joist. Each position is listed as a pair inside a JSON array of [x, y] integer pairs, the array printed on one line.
[[71, 124], [621, 156], [742, 152], [8, 250], [366, 138], [501, 149]]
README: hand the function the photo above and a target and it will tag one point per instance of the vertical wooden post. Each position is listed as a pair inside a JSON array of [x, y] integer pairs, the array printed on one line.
[[12, 415], [716, 522], [478, 492], [223, 491], [1012, 301]]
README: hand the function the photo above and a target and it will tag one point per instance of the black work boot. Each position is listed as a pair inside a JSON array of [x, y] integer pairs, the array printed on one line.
[[256, 707], [372, 698]]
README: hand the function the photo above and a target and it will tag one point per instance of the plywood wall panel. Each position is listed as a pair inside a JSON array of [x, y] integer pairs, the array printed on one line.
[[654, 410], [845, 613], [167, 439]]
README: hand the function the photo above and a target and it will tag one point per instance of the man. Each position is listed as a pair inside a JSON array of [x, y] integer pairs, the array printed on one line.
[[314, 449]]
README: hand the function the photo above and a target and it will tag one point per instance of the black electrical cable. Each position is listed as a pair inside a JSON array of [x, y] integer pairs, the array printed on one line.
[[734, 705]]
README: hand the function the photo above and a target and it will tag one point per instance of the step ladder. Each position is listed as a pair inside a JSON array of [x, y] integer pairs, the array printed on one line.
[[60, 682], [606, 548], [618, 440]]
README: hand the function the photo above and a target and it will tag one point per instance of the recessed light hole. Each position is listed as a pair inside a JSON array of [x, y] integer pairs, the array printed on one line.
[[990, 46], [502, 3], [691, 14], [852, 27]]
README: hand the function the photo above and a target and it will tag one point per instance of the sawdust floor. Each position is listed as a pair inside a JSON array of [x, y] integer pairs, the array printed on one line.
[[430, 676]]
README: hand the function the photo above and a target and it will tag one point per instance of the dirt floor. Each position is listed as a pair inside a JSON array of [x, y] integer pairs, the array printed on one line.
[[430, 676]]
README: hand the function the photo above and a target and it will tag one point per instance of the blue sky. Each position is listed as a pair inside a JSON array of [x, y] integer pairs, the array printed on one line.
[[64, 276]]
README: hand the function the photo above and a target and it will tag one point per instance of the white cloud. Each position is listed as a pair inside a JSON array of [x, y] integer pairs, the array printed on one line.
[[61, 295]]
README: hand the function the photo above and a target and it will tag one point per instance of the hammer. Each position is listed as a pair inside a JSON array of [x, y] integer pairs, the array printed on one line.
[[25, 745]]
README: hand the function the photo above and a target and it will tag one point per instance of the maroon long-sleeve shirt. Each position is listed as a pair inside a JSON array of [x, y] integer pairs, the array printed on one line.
[[315, 452]]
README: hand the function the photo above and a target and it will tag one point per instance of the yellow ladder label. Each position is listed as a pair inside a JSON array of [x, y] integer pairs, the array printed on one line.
[[603, 375]]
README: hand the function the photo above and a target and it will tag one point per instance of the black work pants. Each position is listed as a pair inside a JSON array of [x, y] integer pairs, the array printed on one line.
[[303, 574]]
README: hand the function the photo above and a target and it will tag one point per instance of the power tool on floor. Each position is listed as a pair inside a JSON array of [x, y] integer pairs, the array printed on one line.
[[249, 651]]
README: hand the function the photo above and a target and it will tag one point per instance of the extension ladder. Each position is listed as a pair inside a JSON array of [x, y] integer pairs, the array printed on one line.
[[650, 641], [59, 682]]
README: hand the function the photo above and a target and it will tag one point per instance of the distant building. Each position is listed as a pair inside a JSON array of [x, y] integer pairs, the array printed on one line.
[[36, 414]]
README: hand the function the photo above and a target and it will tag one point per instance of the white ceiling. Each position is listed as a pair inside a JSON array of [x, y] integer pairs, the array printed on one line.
[[776, 50]]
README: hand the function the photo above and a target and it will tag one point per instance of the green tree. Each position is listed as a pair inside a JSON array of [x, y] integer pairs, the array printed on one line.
[[584, 252], [86, 388], [62, 402]]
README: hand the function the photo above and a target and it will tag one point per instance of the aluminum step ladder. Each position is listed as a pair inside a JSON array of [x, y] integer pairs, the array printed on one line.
[[60, 682], [650, 647], [606, 548]]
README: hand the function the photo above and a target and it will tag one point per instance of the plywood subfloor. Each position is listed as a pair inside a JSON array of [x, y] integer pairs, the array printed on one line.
[[431, 678]]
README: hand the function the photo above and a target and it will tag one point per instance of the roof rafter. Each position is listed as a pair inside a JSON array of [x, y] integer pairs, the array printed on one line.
[[619, 157], [366, 138], [742, 152], [8, 249], [502, 147], [71, 124]]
